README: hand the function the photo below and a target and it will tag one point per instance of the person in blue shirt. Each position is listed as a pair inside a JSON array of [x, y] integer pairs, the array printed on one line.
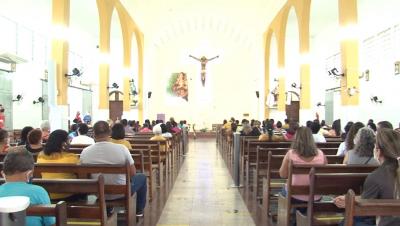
[[17, 171]]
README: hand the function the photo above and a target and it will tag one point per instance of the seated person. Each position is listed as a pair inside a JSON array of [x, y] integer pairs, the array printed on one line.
[[45, 127], [54, 152], [73, 132], [105, 152], [17, 171], [246, 131], [4, 141], [385, 124], [165, 132], [302, 151], [34, 144], [382, 183], [363, 152], [335, 131], [318, 138], [291, 132], [118, 135], [24, 135], [348, 143], [82, 137], [145, 128]]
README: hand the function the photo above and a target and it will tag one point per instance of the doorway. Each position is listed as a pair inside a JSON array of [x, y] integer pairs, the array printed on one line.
[[292, 111], [116, 105]]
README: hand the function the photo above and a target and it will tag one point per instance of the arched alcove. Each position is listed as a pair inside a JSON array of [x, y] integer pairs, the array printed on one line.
[[116, 65], [83, 39], [292, 65], [324, 55]]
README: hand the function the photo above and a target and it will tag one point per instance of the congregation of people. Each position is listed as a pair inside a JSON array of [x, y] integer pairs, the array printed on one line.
[[361, 144], [104, 143]]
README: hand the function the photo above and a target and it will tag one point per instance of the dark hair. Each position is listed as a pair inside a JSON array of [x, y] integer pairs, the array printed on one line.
[[83, 129], [279, 124], [286, 121], [163, 128], [168, 126], [35, 136], [101, 129], [346, 129], [385, 124], [323, 123], [24, 134], [315, 127], [364, 142], [388, 141], [337, 127], [309, 123], [293, 126], [56, 142], [303, 143], [18, 162], [351, 134], [118, 131], [124, 122], [372, 126], [3, 135], [74, 127]]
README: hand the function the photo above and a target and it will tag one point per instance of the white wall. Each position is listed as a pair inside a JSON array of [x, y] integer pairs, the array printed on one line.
[[231, 80]]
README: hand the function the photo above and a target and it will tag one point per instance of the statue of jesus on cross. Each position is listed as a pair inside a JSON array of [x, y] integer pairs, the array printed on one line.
[[203, 60]]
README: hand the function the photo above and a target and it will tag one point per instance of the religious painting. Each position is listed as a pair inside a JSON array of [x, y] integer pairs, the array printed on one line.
[[178, 85]]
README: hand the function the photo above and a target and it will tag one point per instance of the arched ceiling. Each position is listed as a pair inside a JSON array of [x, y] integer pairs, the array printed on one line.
[[161, 20]]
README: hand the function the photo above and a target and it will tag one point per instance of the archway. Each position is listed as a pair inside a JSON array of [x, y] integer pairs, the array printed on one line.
[[115, 82], [325, 55], [292, 62]]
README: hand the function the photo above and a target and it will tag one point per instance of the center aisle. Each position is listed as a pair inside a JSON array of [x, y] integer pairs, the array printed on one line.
[[201, 194]]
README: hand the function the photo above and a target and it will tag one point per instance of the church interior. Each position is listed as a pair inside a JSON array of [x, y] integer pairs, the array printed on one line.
[[225, 112]]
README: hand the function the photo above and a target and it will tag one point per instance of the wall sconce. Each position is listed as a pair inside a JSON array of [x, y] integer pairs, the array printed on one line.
[[257, 94], [335, 73], [352, 91], [39, 100], [276, 80], [294, 85], [365, 74], [319, 104], [18, 98], [75, 72], [113, 86], [375, 99], [149, 94]]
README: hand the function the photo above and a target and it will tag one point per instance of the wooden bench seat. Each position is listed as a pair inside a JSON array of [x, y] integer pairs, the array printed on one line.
[[76, 212], [58, 210], [369, 207]]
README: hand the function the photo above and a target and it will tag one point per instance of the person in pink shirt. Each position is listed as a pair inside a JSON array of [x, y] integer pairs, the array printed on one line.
[[145, 129], [2, 117], [302, 151]]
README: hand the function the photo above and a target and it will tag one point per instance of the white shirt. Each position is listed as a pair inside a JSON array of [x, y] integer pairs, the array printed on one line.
[[342, 149], [82, 139], [318, 138]]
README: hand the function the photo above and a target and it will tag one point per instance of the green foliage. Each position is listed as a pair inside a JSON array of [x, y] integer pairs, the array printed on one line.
[[171, 83]]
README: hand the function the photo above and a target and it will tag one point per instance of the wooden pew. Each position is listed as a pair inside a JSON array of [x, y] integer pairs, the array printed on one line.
[[284, 203], [326, 213], [369, 207], [147, 168], [263, 161], [81, 211], [84, 171], [58, 210]]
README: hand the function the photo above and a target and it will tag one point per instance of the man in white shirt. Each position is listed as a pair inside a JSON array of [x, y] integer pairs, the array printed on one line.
[[318, 138], [105, 152], [82, 138]]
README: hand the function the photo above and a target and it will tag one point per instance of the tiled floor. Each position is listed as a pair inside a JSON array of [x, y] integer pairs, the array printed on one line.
[[202, 194]]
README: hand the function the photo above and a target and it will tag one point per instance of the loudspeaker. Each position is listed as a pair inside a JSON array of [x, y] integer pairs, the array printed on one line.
[[258, 94], [149, 94]]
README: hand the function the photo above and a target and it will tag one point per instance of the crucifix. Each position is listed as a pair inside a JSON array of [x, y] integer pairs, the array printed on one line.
[[203, 60]]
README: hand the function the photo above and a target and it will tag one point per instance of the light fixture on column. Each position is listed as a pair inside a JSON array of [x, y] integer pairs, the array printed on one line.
[[334, 72], [113, 86], [351, 91], [75, 72], [319, 104], [39, 100], [375, 99], [295, 86], [149, 94], [18, 98], [257, 94]]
